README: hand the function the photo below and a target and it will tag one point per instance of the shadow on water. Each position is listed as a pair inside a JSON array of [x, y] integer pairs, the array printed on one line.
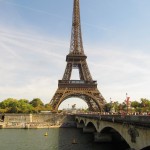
[[84, 141]]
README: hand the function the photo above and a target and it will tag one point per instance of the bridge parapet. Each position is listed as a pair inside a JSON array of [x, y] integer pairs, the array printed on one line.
[[138, 120]]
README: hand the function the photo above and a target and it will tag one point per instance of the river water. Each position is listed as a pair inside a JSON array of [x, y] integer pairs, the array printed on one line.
[[57, 139]]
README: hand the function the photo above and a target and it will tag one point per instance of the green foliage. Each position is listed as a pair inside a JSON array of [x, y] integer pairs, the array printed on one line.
[[36, 102], [145, 104], [135, 104], [11, 105], [24, 106], [48, 107], [107, 107], [141, 107]]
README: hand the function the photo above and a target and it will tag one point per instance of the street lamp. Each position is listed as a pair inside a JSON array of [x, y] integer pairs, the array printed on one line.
[[127, 102], [110, 105]]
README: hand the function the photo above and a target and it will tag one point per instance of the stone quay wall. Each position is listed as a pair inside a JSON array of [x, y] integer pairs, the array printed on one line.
[[41, 120]]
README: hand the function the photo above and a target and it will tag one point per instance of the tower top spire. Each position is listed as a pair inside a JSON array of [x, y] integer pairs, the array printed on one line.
[[76, 46]]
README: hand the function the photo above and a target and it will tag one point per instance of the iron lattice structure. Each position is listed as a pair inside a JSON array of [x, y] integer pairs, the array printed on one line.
[[84, 88]]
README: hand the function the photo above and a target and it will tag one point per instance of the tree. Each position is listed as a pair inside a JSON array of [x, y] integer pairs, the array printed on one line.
[[116, 106], [24, 101], [48, 107], [36, 102], [10, 104], [145, 105], [24, 106], [107, 107], [135, 104]]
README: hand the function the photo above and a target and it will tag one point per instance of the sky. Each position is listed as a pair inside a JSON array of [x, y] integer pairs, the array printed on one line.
[[35, 39]]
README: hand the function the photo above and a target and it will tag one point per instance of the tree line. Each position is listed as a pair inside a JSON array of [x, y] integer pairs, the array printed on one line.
[[142, 106], [12, 105]]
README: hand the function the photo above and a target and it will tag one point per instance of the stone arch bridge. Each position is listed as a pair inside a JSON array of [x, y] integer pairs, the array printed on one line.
[[133, 130]]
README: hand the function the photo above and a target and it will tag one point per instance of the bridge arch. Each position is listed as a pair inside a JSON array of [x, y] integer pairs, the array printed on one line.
[[91, 124], [82, 122], [77, 120], [135, 137], [146, 148], [116, 137], [116, 130], [89, 127]]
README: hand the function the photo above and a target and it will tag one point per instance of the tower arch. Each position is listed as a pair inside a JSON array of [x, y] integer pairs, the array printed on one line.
[[88, 98]]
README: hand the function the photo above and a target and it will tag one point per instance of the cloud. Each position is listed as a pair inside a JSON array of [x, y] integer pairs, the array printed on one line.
[[98, 28], [119, 72], [28, 63], [32, 9], [31, 65], [42, 87]]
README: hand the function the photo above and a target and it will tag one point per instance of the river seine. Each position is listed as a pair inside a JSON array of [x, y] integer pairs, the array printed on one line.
[[57, 139]]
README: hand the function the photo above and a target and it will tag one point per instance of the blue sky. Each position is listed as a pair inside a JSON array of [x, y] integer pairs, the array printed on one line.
[[35, 39]]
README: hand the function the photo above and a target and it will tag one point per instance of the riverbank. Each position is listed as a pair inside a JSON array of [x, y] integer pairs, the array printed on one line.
[[28, 125], [35, 121]]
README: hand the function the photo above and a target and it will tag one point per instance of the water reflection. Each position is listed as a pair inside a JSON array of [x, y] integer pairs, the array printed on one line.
[[84, 141]]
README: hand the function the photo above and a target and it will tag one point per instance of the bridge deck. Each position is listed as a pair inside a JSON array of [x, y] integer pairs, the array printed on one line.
[[138, 120]]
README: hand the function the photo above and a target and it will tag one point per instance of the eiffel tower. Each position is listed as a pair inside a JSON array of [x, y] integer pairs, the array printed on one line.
[[86, 87]]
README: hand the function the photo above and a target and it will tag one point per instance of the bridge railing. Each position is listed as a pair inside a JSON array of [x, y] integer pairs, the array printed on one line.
[[138, 120]]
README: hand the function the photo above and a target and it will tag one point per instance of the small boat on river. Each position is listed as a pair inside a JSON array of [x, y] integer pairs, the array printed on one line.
[[74, 141], [46, 134]]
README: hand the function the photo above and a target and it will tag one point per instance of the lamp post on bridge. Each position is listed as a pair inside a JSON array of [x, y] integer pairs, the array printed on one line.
[[127, 102], [111, 105]]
